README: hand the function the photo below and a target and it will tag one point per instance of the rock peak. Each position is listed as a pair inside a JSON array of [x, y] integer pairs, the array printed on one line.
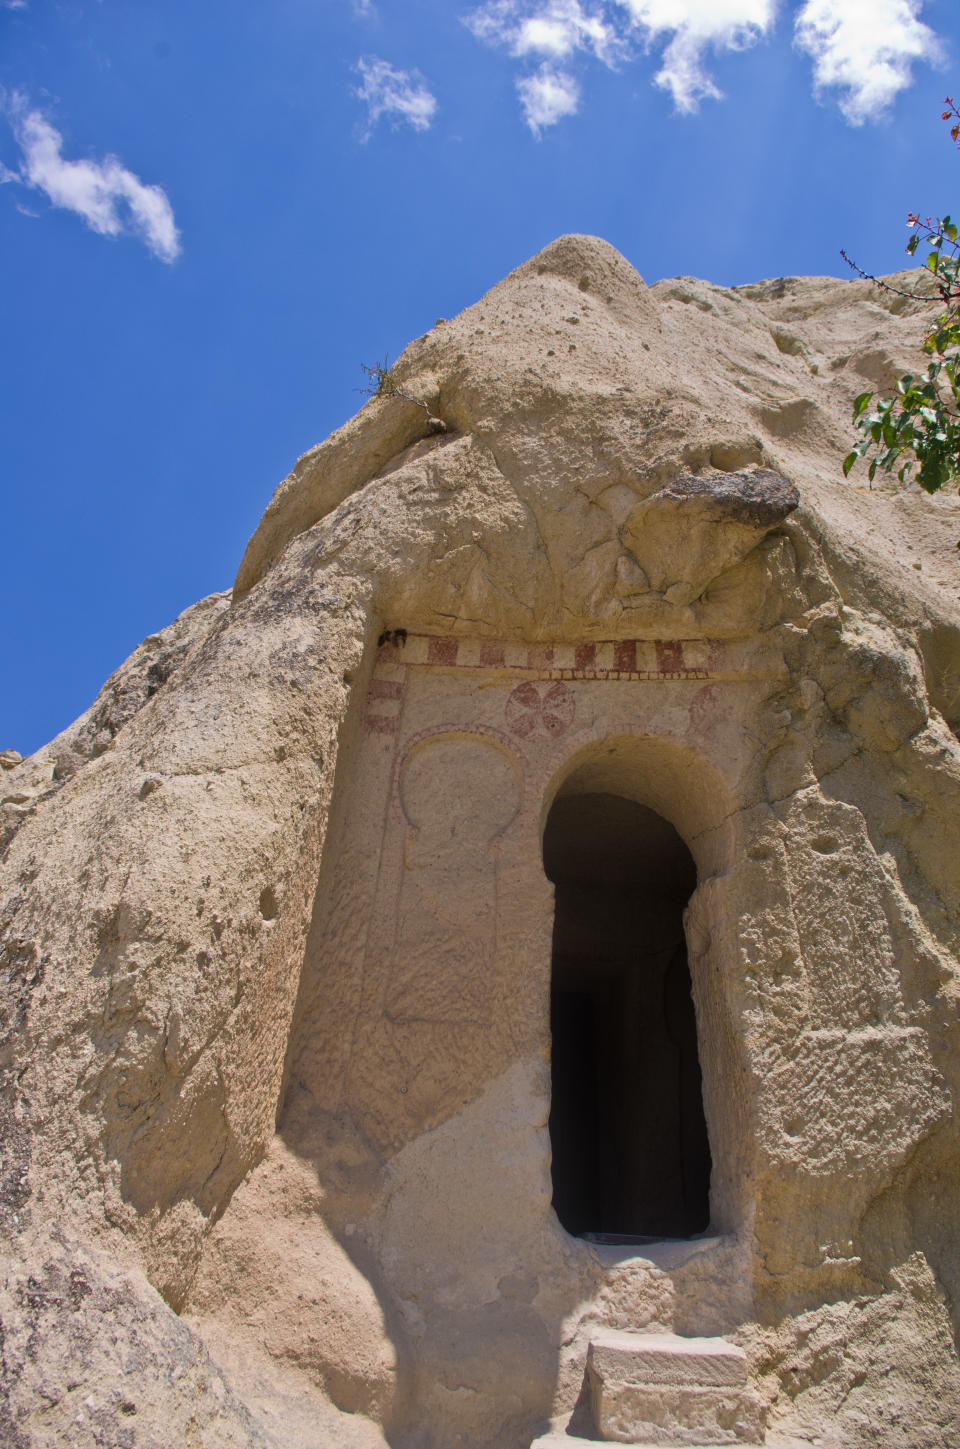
[[591, 263]]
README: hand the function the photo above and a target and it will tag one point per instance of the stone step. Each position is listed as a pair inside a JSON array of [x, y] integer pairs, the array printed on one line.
[[559, 1439], [666, 1358], [661, 1389]]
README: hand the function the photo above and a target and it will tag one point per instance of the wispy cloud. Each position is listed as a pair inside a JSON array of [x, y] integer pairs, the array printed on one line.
[[109, 197], [549, 31], [614, 31], [547, 95], [399, 95], [865, 49], [550, 28], [691, 29]]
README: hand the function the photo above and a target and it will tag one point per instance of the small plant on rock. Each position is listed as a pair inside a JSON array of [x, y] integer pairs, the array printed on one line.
[[384, 384]]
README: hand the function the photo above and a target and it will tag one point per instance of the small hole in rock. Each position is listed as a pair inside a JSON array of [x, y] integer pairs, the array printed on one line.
[[268, 904]]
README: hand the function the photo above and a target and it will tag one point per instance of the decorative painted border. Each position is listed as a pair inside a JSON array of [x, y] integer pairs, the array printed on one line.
[[610, 659]]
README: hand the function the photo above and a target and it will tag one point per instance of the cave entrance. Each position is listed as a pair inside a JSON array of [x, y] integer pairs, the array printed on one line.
[[631, 1157]]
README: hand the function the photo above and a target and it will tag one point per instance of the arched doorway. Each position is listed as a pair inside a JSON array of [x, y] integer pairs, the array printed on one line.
[[629, 1141]]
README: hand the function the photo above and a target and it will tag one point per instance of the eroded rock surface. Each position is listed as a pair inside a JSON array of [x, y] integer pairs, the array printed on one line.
[[24, 784], [275, 933]]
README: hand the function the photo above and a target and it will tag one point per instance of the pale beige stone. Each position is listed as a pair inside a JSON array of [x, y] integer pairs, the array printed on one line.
[[666, 1358], [670, 1415], [662, 1388], [275, 931]]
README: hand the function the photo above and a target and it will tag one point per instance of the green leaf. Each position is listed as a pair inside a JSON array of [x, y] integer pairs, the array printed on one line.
[[848, 463], [933, 262], [861, 403]]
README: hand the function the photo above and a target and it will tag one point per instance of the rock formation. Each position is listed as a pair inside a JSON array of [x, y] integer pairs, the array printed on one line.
[[612, 691]]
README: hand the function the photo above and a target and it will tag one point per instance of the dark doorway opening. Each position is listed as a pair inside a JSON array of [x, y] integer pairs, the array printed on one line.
[[631, 1155]]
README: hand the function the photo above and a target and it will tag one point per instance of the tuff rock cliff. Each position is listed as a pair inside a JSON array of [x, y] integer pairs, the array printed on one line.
[[275, 933]]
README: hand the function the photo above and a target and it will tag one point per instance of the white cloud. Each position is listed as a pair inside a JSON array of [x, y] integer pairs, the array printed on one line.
[[694, 27], [399, 95], [547, 95], [551, 31], [110, 198], [555, 30], [550, 28], [864, 47]]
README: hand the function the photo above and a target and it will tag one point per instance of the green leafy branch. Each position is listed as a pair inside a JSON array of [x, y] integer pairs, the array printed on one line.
[[385, 384], [917, 427]]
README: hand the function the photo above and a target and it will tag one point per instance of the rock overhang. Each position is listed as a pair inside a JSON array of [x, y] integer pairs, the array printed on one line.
[[572, 376]]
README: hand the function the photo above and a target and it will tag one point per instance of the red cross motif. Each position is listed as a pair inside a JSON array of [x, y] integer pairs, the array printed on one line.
[[540, 709]]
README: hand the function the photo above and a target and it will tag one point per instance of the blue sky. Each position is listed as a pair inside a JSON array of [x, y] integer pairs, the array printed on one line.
[[211, 214]]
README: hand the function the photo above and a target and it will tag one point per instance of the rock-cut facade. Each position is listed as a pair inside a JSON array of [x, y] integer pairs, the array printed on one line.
[[493, 977]]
